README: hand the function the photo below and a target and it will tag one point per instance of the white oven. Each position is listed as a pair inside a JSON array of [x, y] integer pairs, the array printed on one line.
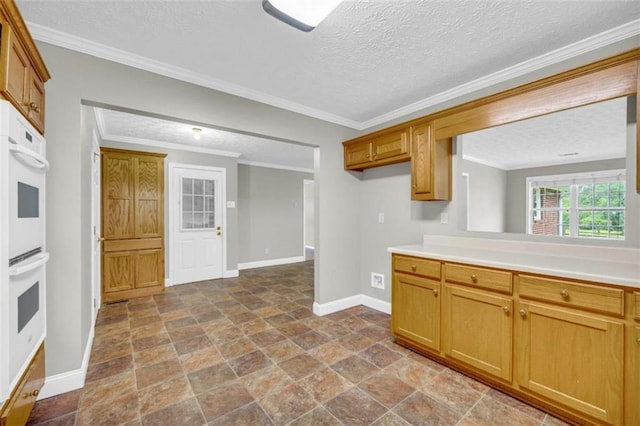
[[23, 168], [27, 169]]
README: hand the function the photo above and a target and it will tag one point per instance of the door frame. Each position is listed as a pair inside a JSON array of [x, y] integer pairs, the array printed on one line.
[[96, 227], [171, 198], [305, 207]]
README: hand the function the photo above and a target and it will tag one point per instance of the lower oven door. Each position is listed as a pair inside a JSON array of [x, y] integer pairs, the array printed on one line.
[[27, 312]]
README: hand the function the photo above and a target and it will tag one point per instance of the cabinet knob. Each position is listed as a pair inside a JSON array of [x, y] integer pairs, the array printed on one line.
[[413, 268], [34, 107], [435, 293], [35, 393], [564, 294], [522, 313], [474, 278], [505, 309], [638, 340]]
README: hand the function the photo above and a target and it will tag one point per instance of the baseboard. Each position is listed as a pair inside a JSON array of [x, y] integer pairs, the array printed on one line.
[[322, 309], [234, 273], [70, 380], [168, 282], [310, 247], [270, 262]]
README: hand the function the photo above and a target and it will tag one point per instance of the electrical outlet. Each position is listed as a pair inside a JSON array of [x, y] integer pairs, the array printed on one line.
[[444, 217], [380, 217], [266, 250], [377, 280]]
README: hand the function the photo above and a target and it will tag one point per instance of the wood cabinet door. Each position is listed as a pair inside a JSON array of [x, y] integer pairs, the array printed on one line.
[[391, 145], [477, 330], [632, 375], [148, 187], [149, 268], [415, 309], [36, 101], [357, 155], [421, 161], [118, 272], [17, 69], [118, 196], [573, 358]]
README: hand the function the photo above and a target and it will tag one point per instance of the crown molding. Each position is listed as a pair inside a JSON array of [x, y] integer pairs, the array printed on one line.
[[82, 45], [606, 38], [68, 41], [275, 166]]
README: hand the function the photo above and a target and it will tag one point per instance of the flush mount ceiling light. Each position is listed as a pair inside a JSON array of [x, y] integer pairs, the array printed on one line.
[[196, 133], [304, 15]]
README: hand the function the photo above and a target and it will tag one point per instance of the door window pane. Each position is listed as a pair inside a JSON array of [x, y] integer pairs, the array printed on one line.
[[198, 203]]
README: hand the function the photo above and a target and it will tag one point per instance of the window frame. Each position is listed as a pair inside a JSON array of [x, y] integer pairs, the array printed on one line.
[[573, 180]]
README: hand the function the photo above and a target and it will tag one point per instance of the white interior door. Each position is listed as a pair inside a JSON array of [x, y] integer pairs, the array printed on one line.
[[197, 224], [95, 224]]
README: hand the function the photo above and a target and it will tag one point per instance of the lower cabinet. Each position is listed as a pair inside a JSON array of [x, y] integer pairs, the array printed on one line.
[[416, 310], [24, 396], [573, 358], [570, 347], [478, 329]]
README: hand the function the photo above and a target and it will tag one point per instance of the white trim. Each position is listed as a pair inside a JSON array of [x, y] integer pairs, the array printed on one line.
[[275, 166], [223, 189], [70, 380], [322, 309], [270, 262], [59, 38], [614, 35], [82, 45], [232, 273], [309, 247], [484, 162]]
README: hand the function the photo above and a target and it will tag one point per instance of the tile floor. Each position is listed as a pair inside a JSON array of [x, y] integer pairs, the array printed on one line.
[[249, 351]]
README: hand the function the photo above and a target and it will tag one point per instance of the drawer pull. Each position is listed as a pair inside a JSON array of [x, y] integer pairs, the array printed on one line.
[[638, 340], [506, 309], [474, 278], [435, 293], [413, 268], [564, 294], [522, 313]]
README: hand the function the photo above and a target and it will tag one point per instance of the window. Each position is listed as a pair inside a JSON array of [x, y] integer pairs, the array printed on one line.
[[587, 205], [198, 203]]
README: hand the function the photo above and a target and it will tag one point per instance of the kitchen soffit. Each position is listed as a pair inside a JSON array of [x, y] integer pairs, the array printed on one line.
[[368, 62]]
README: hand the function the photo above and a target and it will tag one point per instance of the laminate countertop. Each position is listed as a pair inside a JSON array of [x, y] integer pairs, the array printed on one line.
[[608, 265]]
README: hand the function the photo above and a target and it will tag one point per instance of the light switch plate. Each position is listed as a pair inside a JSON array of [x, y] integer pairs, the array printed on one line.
[[231, 204], [377, 280]]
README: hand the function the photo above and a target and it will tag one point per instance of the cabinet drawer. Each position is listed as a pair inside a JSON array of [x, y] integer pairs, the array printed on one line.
[[417, 266], [489, 279], [568, 293], [24, 396], [636, 300]]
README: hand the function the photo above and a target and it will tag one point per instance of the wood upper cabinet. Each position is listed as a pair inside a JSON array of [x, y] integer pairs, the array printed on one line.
[[430, 164], [132, 224], [22, 71], [388, 147], [572, 357]]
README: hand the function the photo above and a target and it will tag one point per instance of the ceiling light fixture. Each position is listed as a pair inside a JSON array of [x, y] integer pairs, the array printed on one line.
[[304, 15], [196, 133]]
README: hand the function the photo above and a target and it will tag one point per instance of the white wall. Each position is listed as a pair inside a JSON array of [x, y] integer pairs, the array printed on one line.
[[309, 208], [77, 77]]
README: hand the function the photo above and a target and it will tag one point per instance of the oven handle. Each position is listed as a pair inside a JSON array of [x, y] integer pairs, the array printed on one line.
[[43, 164], [39, 260]]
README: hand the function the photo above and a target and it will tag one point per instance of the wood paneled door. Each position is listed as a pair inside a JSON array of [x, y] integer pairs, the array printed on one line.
[[132, 224]]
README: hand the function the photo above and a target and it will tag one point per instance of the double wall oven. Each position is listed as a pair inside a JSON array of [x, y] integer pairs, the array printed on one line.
[[23, 168]]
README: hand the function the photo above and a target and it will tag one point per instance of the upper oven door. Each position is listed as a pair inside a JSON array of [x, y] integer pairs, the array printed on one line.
[[27, 168]]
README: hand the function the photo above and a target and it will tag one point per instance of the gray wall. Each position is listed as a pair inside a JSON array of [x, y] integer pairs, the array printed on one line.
[[77, 77], [517, 187], [270, 213], [487, 197], [309, 218], [196, 159]]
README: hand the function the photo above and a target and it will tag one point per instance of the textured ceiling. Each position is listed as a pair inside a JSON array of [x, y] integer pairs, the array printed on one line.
[[367, 59], [133, 128], [594, 132]]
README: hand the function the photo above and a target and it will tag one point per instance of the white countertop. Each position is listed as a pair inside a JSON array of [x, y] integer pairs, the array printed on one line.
[[619, 266]]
